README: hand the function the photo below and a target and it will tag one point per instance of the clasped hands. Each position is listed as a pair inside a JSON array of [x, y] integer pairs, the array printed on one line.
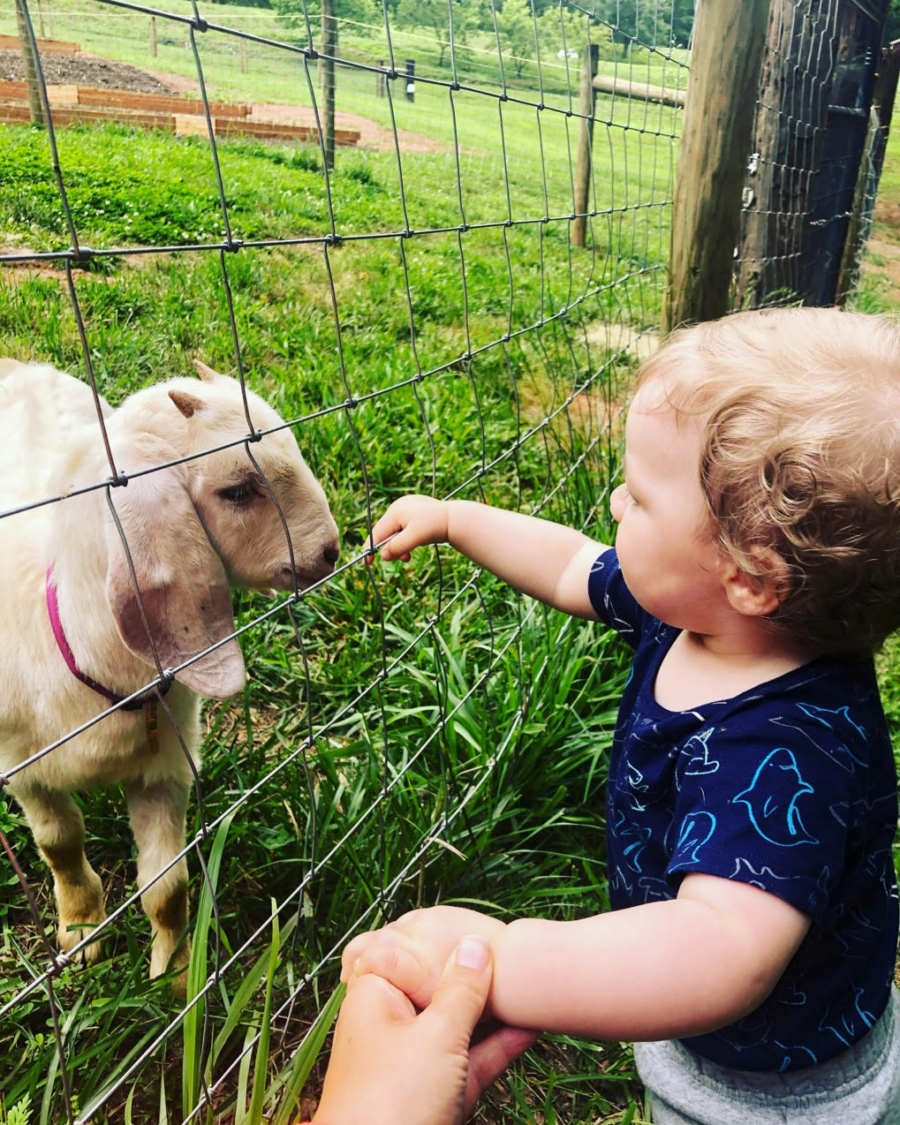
[[411, 952], [392, 1065]]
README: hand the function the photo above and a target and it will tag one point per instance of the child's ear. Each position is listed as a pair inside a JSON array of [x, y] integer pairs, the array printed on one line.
[[755, 595]]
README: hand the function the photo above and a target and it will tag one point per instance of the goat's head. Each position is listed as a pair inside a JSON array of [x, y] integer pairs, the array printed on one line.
[[216, 519]]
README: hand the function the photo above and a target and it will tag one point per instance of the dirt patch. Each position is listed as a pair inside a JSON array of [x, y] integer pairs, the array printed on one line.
[[85, 70], [887, 215], [371, 135], [91, 70], [889, 253]]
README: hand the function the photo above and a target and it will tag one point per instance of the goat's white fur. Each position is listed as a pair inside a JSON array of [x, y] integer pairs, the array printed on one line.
[[188, 544]]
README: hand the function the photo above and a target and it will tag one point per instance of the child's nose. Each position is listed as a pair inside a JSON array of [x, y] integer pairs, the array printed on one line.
[[617, 502]]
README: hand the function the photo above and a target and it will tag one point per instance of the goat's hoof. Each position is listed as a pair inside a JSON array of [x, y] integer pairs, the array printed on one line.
[[166, 959], [72, 931]]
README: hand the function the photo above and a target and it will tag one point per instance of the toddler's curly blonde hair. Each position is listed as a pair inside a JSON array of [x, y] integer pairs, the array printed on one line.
[[800, 461]]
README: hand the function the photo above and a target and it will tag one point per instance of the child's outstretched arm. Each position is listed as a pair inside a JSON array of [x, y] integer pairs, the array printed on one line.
[[666, 969], [544, 559]]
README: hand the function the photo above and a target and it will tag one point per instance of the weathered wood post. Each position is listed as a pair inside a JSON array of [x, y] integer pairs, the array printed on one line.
[[243, 56], [792, 120], [329, 49], [379, 79], [582, 199], [29, 65], [153, 36], [870, 165], [718, 119]]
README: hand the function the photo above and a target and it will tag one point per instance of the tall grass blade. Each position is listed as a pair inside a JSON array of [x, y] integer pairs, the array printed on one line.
[[258, 1096], [303, 1061], [197, 972]]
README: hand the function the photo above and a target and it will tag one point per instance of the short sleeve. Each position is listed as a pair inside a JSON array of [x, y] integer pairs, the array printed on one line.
[[765, 803], [612, 601]]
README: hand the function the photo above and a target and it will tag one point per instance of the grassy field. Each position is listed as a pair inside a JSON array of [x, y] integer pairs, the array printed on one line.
[[502, 806], [272, 74]]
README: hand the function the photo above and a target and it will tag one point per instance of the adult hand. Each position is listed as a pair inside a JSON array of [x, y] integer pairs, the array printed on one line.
[[411, 951], [413, 521], [390, 1066]]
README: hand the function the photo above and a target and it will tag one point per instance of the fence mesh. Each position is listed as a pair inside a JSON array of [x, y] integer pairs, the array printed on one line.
[[423, 320], [811, 135]]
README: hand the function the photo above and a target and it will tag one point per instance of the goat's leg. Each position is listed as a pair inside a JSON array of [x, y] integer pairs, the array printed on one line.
[[157, 819], [58, 829]]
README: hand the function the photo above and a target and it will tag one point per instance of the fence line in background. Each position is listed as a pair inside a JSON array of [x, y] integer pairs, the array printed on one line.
[[607, 251]]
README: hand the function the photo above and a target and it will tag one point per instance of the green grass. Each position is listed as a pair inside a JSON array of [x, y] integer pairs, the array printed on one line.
[[532, 712], [527, 744], [276, 75]]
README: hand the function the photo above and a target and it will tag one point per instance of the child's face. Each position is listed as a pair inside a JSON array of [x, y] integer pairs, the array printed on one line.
[[668, 558]]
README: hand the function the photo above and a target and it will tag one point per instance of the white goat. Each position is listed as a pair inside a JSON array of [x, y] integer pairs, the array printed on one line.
[[193, 530]]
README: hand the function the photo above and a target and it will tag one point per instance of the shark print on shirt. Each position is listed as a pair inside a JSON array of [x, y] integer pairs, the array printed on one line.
[[789, 787]]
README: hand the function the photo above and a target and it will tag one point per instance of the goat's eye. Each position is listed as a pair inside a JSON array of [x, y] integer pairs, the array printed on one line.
[[240, 494]]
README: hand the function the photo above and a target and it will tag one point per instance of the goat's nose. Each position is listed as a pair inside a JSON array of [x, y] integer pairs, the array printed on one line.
[[331, 553]]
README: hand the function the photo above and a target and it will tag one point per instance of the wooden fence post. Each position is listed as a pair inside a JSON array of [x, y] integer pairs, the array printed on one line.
[[243, 56], [329, 45], [582, 199], [791, 123], [873, 153], [718, 119], [29, 65], [153, 36]]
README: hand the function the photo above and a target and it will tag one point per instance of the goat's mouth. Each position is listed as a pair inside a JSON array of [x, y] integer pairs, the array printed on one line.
[[285, 576]]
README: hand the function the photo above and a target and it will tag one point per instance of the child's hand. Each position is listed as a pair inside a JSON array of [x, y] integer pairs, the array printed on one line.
[[389, 1065], [411, 953], [415, 520]]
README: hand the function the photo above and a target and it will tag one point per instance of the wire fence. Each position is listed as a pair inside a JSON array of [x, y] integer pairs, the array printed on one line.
[[811, 137], [431, 326]]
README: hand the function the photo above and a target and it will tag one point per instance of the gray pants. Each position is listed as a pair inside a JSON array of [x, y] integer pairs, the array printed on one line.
[[861, 1086]]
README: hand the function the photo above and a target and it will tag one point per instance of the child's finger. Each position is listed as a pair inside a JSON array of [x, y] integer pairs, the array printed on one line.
[[354, 949], [397, 964], [401, 545]]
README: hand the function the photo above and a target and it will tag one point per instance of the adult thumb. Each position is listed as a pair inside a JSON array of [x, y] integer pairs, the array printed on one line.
[[459, 999]]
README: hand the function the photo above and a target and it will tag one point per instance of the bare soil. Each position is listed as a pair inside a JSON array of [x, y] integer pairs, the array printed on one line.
[[85, 70], [91, 70]]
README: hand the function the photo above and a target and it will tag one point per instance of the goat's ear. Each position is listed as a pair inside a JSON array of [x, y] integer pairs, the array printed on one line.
[[206, 373], [183, 586], [188, 404]]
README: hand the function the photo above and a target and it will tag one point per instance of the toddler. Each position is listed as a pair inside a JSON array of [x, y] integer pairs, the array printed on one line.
[[752, 795]]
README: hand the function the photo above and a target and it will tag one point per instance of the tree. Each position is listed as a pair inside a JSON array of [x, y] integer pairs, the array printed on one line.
[[291, 11], [637, 22], [559, 22], [892, 29], [434, 15], [515, 27], [683, 21]]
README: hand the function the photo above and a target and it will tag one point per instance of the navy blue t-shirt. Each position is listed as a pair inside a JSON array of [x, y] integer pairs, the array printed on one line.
[[789, 786]]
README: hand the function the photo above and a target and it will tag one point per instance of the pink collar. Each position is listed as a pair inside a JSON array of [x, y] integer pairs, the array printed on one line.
[[69, 656]]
